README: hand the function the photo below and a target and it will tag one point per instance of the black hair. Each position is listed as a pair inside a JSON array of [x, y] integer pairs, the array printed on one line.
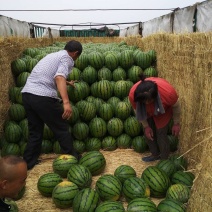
[[146, 90], [73, 46]]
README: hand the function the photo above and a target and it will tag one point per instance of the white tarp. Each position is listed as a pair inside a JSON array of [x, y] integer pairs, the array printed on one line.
[[123, 33], [183, 20], [133, 30], [48, 33], [157, 25], [204, 14], [13, 27]]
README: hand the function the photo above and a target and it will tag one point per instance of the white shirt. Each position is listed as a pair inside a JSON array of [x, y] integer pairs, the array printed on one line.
[[41, 81]]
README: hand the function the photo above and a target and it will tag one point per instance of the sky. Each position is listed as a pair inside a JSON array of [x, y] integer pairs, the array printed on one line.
[[89, 17]]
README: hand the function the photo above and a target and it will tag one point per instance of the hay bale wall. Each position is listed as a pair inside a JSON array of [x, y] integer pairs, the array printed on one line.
[[185, 61]]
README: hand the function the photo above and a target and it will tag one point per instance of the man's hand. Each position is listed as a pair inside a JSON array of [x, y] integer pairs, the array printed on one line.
[[67, 110], [176, 130], [148, 133], [71, 83]]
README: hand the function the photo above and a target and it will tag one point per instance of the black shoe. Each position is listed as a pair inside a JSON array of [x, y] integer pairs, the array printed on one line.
[[150, 158]]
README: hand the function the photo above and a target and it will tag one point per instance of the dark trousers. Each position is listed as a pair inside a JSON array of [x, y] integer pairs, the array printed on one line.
[[46, 110], [160, 145]]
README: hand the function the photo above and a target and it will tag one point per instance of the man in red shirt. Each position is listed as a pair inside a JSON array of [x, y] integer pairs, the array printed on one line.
[[156, 102]]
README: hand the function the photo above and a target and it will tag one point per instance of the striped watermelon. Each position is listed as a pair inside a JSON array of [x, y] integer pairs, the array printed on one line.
[[179, 161], [96, 60], [121, 89], [108, 187], [124, 141], [109, 143], [134, 72], [157, 180], [12, 132], [30, 51], [30, 64], [93, 88], [98, 102], [94, 161], [18, 66], [64, 193], [167, 166], [150, 72], [79, 146], [142, 204], [74, 116], [97, 127], [47, 182], [111, 61], [112, 206], [22, 78], [178, 192], [173, 141], [87, 111], [18, 97], [106, 111], [80, 131], [171, 205], [139, 144], [76, 94], [132, 127], [152, 53], [62, 164], [185, 178], [123, 110], [104, 74], [126, 59], [46, 147], [80, 175], [17, 112], [13, 92], [74, 75], [82, 62], [115, 127], [135, 187], [89, 75], [104, 90], [124, 172], [11, 149], [86, 200], [142, 59], [93, 144], [119, 74], [113, 101]]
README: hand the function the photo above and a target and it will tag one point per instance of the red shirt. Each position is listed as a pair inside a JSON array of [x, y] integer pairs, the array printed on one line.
[[168, 96]]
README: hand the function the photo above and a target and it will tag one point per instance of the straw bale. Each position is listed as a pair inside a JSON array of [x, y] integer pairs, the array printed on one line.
[[113, 160]]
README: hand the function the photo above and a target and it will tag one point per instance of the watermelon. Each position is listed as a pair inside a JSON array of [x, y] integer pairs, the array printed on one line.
[[47, 182], [141, 204], [76, 93], [62, 164], [108, 187], [119, 74], [30, 64], [123, 110], [133, 73], [80, 175], [132, 127], [121, 89], [89, 75], [98, 102], [167, 166], [93, 144], [124, 141], [115, 127], [64, 193], [173, 141], [103, 90], [104, 74], [82, 62], [150, 72], [17, 112], [113, 101], [139, 144], [87, 111], [179, 161], [123, 172], [126, 59], [47, 133], [80, 131], [178, 192], [94, 161], [57, 148], [157, 180], [106, 111], [22, 78], [74, 116], [12, 132], [79, 146], [11, 149], [171, 205], [142, 59], [86, 200], [182, 177], [74, 75], [97, 127], [46, 147], [18, 66], [112, 206], [135, 187], [111, 61], [109, 143], [96, 60]]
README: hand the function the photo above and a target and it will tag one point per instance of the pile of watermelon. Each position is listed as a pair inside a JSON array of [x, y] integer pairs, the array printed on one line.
[[69, 185], [102, 115], [102, 119]]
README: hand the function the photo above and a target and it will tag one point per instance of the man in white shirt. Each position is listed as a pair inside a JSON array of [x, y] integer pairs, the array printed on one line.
[[42, 104]]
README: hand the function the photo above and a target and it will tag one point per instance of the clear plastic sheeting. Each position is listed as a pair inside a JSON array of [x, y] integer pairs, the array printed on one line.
[[123, 33], [13, 27], [204, 14], [133, 30], [183, 20], [161, 24]]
